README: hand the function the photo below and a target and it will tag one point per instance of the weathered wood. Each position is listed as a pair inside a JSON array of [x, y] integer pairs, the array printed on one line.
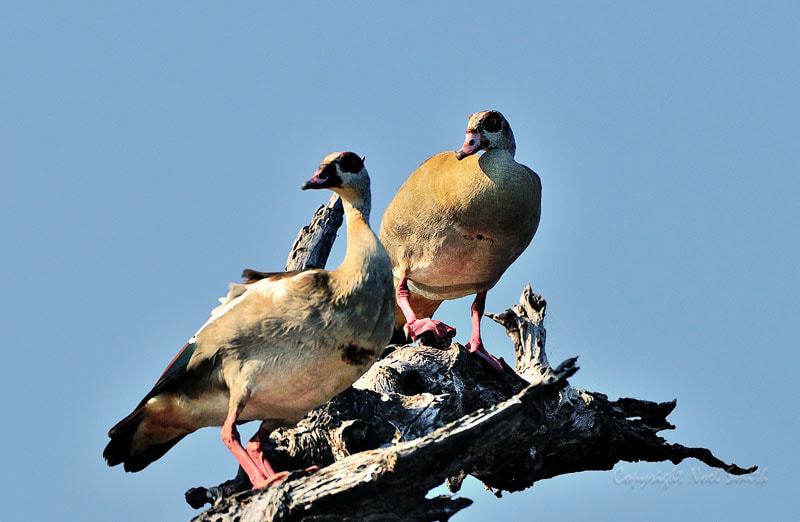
[[314, 241], [421, 415], [525, 325], [390, 483]]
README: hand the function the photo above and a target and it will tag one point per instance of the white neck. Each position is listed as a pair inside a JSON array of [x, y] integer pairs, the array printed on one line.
[[362, 244]]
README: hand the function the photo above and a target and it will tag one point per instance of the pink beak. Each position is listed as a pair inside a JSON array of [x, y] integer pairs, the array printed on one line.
[[472, 144], [320, 179]]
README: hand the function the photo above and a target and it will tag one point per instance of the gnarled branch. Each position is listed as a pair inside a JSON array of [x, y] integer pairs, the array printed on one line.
[[315, 240], [422, 415]]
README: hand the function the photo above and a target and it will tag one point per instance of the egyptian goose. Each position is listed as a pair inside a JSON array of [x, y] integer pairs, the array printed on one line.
[[279, 345], [457, 224]]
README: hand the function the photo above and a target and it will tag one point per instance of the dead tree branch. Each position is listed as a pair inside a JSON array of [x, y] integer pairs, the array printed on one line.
[[315, 240], [422, 415]]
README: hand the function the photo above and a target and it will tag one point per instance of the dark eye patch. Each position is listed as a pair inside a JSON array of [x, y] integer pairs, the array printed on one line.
[[492, 122], [350, 162]]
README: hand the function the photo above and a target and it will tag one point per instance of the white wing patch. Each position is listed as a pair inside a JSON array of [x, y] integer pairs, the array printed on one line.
[[234, 291], [237, 292], [276, 289], [234, 297]]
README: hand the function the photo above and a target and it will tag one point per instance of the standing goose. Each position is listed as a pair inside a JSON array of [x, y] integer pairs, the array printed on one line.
[[279, 345], [457, 224]]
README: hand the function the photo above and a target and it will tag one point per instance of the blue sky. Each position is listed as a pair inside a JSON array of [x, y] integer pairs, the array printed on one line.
[[149, 152]]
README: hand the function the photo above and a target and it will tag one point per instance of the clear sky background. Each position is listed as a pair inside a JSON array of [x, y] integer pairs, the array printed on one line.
[[149, 152]]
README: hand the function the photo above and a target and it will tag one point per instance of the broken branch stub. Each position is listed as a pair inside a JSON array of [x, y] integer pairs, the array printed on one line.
[[315, 240]]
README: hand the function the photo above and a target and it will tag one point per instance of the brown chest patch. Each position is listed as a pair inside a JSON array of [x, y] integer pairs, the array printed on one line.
[[479, 237], [357, 355]]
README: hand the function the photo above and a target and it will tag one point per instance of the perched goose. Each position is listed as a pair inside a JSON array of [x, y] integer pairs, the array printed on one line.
[[457, 224], [278, 345]]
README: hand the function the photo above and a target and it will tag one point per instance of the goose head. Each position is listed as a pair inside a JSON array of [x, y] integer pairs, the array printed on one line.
[[487, 130], [345, 174]]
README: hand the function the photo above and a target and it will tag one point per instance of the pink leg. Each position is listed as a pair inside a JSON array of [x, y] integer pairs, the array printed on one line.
[[254, 449], [475, 344], [414, 327], [231, 439]]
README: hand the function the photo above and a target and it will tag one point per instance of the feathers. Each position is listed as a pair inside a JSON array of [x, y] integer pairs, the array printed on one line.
[[173, 372], [251, 276], [278, 345], [455, 226], [118, 450]]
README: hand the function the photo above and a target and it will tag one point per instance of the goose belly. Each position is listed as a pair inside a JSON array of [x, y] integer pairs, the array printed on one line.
[[287, 393], [464, 262], [282, 386]]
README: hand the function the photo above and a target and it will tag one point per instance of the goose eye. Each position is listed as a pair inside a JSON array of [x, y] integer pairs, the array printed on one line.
[[492, 123], [350, 162]]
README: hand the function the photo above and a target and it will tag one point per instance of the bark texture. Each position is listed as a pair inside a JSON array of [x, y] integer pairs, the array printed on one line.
[[422, 416], [314, 241]]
